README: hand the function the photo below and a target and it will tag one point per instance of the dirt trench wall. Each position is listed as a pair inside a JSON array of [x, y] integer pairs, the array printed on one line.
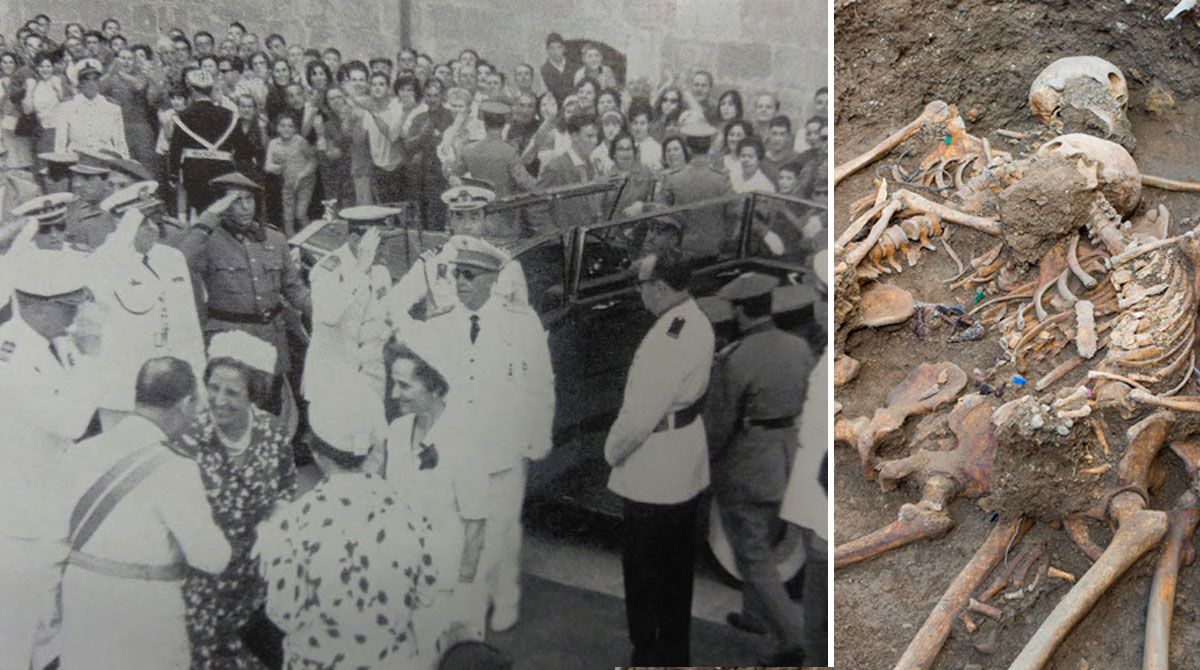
[[984, 55]]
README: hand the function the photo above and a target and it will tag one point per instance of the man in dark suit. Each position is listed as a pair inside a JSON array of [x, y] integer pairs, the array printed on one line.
[[571, 167], [756, 392], [205, 139]]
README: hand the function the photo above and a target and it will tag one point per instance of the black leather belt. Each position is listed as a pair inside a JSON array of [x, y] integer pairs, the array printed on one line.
[[681, 418], [772, 424], [233, 317]]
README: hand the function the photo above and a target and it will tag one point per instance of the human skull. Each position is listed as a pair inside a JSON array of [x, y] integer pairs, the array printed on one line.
[[1083, 94], [1117, 173]]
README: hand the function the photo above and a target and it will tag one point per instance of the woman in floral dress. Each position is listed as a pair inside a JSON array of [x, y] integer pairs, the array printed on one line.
[[348, 570], [246, 464]]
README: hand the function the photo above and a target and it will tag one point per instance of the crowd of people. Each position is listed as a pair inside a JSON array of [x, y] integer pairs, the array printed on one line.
[[312, 125], [154, 513]]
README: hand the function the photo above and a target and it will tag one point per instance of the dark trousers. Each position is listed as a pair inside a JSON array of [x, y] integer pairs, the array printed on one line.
[[658, 560], [765, 601], [389, 185]]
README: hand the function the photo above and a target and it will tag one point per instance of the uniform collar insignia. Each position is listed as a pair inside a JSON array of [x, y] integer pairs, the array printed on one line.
[[428, 456], [676, 327]]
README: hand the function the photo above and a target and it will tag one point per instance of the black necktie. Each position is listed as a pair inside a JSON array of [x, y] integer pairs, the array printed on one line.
[[474, 327]]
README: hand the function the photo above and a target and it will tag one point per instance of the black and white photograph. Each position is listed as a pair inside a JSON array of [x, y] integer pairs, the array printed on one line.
[[413, 334], [1017, 470]]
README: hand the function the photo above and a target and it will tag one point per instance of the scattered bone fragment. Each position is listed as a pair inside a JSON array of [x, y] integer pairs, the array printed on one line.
[[883, 305], [1183, 6], [1085, 329], [845, 370]]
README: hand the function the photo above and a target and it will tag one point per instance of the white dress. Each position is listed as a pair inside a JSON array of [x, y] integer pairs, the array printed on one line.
[[435, 477]]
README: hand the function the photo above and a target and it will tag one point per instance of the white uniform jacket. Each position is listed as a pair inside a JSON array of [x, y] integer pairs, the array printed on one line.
[[46, 402], [90, 124], [164, 520], [149, 311], [669, 373]]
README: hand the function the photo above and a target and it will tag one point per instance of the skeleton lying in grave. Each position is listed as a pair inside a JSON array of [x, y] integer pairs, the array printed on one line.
[[1084, 284]]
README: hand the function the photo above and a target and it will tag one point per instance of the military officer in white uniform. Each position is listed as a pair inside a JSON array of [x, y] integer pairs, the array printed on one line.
[[494, 353], [39, 223], [349, 328], [89, 120], [659, 458], [45, 401], [145, 288], [431, 284]]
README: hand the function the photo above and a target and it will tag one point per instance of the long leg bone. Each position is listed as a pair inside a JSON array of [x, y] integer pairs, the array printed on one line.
[[1138, 531], [925, 520], [1176, 553], [928, 642], [935, 112], [1181, 524]]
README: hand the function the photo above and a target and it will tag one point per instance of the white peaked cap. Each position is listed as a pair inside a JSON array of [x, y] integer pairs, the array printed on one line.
[[244, 347]]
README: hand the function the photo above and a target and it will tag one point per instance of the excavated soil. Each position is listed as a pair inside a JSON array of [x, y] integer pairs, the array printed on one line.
[[891, 58]]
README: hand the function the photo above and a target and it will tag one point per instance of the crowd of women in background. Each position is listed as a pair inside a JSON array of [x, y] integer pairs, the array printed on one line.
[[385, 129]]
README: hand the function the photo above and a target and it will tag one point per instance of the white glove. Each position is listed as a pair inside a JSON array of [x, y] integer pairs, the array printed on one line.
[[368, 247]]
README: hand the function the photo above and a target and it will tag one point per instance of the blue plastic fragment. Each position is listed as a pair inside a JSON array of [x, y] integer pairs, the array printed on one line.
[[1018, 380]]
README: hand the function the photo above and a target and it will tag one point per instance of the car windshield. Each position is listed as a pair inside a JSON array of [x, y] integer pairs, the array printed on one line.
[[540, 213], [768, 227]]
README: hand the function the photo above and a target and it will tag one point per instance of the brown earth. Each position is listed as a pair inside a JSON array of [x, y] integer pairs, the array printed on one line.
[[891, 58]]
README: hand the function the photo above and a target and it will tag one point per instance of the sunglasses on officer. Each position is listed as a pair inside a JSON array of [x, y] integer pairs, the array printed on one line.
[[468, 273]]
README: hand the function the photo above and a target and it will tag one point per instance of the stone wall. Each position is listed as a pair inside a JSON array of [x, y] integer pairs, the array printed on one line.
[[754, 45], [355, 26]]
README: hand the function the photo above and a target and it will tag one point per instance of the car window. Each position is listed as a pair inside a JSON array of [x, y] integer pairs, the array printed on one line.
[[543, 266], [785, 228], [609, 256]]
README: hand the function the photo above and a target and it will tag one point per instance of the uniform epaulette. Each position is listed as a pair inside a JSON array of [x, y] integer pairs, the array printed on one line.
[[6, 350], [676, 327], [331, 262]]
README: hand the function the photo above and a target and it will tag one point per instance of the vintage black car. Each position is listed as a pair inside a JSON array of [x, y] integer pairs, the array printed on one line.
[[582, 282]]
